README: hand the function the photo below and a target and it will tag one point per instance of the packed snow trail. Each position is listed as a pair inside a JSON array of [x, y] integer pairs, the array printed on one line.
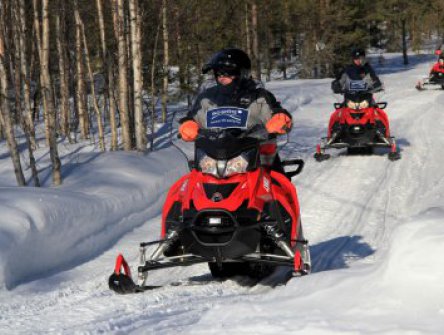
[[375, 229]]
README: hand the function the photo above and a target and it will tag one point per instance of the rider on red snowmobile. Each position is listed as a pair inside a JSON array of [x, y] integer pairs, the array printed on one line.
[[359, 123], [436, 75], [359, 70], [231, 210], [236, 88], [438, 67]]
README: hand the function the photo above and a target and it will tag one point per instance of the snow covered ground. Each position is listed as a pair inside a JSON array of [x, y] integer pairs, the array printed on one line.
[[375, 227]]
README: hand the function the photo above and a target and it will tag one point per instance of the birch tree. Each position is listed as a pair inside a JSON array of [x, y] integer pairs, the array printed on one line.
[[48, 98], [5, 114], [166, 60], [140, 128], [123, 75], [256, 68], [153, 86], [38, 44], [93, 90], [109, 76], [23, 80], [80, 80], [63, 70]]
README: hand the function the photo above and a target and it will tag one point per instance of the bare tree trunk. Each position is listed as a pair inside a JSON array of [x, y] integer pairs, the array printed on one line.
[[15, 64], [127, 30], [81, 91], [22, 76], [153, 89], [102, 29], [64, 79], [38, 41], [112, 106], [137, 75], [25, 72], [256, 59], [286, 39], [247, 30], [93, 91], [404, 41], [181, 61], [109, 78], [48, 99], [165, 60], [123, 77], [5, 114], [268, 58]]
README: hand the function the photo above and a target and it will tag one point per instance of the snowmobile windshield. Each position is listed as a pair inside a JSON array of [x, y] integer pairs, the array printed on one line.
[[222, 141], [225, 144]]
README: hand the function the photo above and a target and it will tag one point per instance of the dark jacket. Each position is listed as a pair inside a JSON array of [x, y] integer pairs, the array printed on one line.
[[248, 94], [354, 72]]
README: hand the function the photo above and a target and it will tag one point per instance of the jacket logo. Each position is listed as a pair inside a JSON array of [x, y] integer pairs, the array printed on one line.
[[227, 117]]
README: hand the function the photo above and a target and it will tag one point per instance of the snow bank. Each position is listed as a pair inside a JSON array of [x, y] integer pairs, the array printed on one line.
[[43, 231], [398, 295]]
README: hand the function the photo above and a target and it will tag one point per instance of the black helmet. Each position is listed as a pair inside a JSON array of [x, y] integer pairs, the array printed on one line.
[[357, 53], [232, 61]]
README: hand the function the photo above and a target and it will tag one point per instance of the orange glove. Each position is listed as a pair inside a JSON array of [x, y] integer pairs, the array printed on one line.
[[189, 130], [280, 123]]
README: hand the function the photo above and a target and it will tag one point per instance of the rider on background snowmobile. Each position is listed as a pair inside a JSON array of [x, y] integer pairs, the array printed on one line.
[[438, 67], [236, 88], [436, 74], [360, 69]]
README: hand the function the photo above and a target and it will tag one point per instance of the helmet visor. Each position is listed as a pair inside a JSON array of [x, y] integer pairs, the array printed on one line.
[[226, 72]]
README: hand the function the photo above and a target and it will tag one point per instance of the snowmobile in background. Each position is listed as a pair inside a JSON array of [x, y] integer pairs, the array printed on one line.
[[358, 124], [230, 211], [436, 76]]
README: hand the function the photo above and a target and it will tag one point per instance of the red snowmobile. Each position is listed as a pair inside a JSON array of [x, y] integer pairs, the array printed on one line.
[[358, 124], [230, 211], [436, 76]]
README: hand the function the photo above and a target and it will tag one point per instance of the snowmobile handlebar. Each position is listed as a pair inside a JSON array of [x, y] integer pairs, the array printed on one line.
[[381, 105], [258, 131], [368, 91]]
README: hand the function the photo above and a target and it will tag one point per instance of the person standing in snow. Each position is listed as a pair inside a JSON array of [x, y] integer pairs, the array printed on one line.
[[358, 70], [236, 88]]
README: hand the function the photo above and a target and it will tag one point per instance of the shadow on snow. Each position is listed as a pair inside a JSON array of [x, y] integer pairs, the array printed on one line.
[[338, 252]]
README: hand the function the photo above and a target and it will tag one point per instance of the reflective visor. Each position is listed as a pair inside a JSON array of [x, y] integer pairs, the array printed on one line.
[[224, 72]]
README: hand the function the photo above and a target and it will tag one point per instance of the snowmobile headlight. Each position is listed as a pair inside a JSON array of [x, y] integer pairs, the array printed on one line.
[[357, 104], [351, 104], [208, 165], [363, 104], [235, 165]]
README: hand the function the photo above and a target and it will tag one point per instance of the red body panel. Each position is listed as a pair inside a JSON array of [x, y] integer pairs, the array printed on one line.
[[256, 186], [371, 115]]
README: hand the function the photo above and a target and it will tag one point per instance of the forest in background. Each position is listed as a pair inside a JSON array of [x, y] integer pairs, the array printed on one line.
[[100, 67]]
